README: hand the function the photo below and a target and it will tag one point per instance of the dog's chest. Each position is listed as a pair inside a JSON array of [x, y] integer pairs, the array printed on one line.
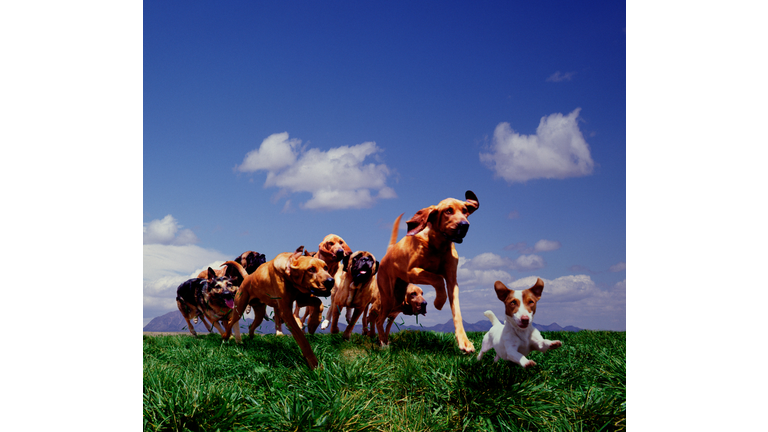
[[515, 339]]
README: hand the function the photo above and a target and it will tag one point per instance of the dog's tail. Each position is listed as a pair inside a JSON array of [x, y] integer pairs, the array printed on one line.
[[491, 316], [395, 229], [237, 265]]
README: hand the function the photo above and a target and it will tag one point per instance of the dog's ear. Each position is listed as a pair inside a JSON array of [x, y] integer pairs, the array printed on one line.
[[419, 221], [375, 267], [292, 259], [211, 274], [537, 288], [502, 292], [472, 202], [345, 262]]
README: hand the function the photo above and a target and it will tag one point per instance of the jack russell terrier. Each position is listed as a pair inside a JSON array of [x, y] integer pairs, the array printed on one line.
[[517, 336]]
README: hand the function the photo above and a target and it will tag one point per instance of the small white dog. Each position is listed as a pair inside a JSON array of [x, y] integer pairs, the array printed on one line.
[[517, 336]]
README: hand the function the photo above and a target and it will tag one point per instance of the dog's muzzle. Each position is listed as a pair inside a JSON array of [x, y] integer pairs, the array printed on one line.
[[461, 232], [419, 309], [327, 284]]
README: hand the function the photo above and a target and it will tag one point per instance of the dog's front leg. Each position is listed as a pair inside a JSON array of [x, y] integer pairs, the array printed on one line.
[[419, 276], [517, 357], [540, 344], [351, 325], [462, 340], [284, 309]]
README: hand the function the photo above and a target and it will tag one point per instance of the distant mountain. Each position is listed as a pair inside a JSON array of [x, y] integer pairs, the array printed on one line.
[[174, 322]]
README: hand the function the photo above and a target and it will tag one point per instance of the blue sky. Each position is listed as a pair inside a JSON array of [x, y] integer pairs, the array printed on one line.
[[268, 125]]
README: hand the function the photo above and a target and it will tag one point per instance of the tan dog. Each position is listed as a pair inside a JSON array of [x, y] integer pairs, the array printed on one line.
[[427, 256], [355, 290], [277, 284], [332, 250], [408, 299]]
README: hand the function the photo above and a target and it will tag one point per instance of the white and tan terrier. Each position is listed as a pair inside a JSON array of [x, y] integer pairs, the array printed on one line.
[[517, 336]]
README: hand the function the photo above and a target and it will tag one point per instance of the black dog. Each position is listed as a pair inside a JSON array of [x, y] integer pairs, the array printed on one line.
[[212, 297]]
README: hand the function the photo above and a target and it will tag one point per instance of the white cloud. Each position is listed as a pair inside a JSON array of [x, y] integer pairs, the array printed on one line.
[[338, 178], [168, 232], [528, 262], [489, 260], [276, 152], [558, 150], [618, 267], [560, 77], [546, 245]]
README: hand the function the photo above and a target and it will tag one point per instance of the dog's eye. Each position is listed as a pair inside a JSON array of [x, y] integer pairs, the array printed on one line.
[[312, 270], [449, 211]]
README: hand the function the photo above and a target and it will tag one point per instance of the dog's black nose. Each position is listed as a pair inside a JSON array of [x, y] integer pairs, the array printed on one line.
[[328, 283], [340, 254], [463, 228], [424, 308]]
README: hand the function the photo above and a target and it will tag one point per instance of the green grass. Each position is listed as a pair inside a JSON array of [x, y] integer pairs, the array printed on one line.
[[421, 383]]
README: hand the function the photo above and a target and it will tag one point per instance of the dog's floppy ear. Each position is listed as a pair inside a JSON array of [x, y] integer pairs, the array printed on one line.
[[419, 221], [292, 259], [502, 292], [345, 262], [537, 288], [472, 202], [375, 267]]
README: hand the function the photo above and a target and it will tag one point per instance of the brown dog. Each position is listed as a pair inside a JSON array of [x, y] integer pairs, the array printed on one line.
[[408, 299], [210, 297], [277, 284], [332, 250], [427, 256], [355, 290]]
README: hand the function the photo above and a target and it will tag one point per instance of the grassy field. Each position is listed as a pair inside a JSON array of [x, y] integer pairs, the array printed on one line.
[[421, 383]]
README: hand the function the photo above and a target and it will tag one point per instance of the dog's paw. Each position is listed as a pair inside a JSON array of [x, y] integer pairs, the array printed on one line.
[[466, 346], [196, 320], [324, 324], [529, 364], [278, 333], [555, 344]]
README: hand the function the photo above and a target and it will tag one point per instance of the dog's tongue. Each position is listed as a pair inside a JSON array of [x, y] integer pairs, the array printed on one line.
[[230, 303]]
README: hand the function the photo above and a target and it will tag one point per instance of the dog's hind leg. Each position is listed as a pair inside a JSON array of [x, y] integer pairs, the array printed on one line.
[[259, 312]]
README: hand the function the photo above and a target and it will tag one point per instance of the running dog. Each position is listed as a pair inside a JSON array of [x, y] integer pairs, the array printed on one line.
[[277, 284], [332, 250], [408, 299], [517, 336], [355, 290], [211, 297], [427, 256]]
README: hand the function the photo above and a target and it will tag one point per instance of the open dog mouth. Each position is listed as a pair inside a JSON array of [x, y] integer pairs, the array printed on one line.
[[361, 275]]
